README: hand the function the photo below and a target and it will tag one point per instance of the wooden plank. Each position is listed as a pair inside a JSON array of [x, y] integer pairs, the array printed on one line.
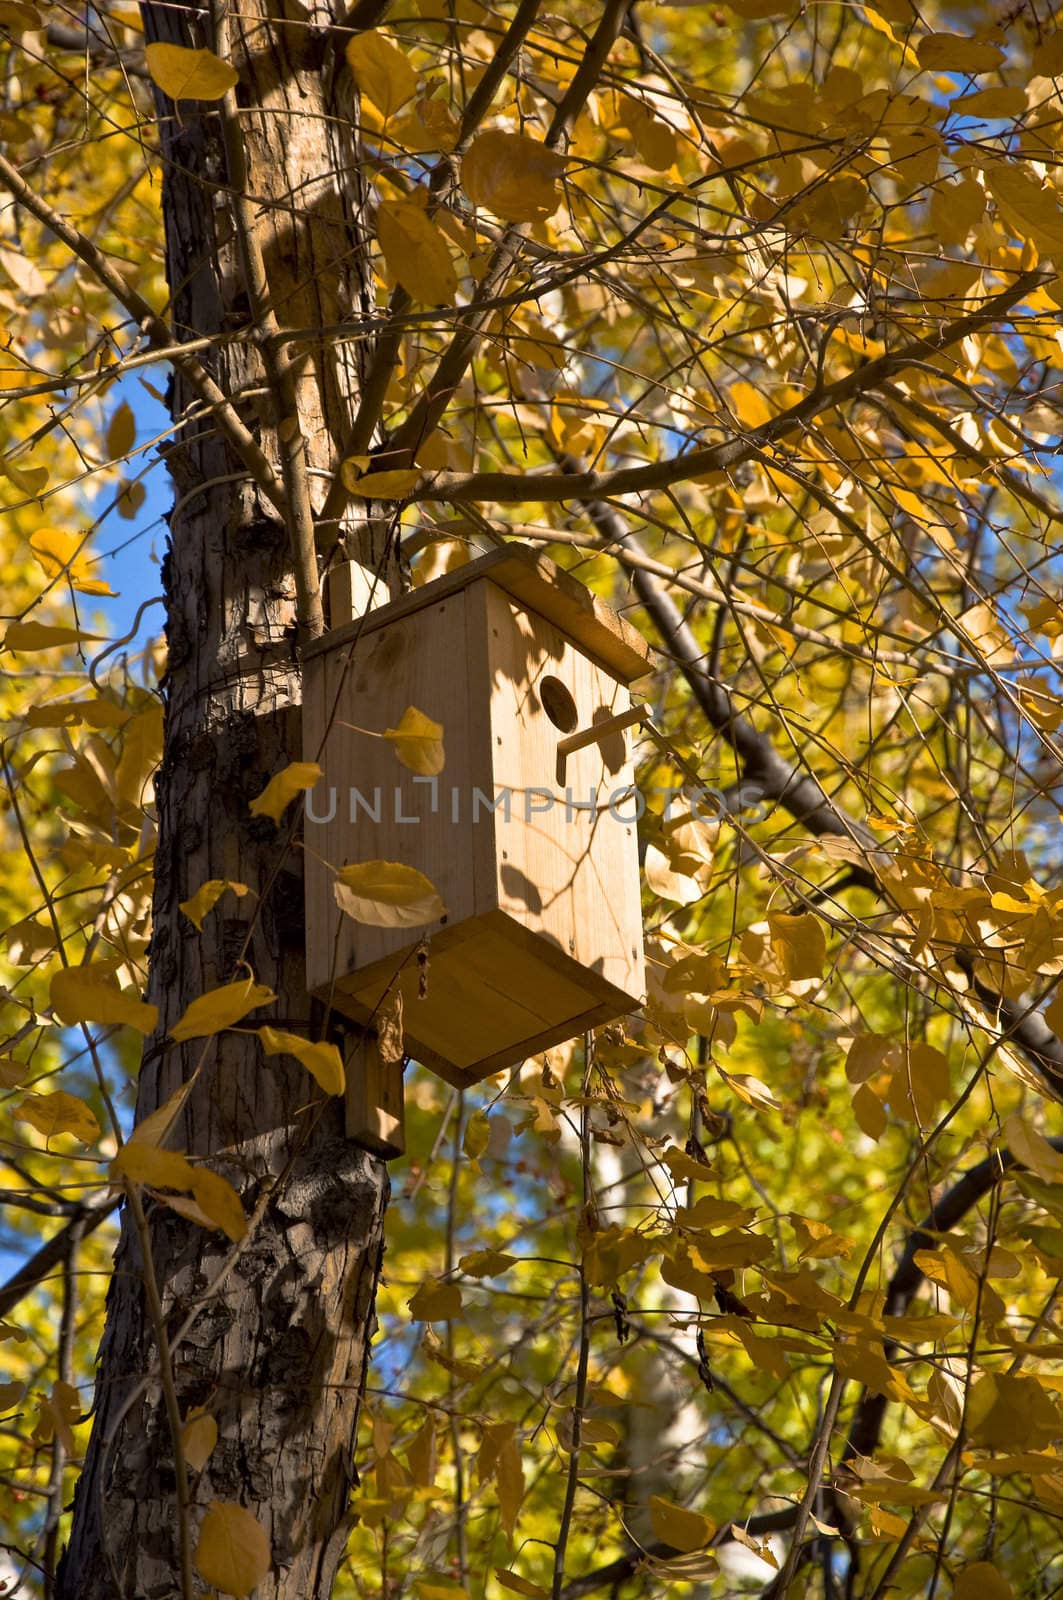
[[352, 591], [540, 585], [568, 875], [375, 1100]]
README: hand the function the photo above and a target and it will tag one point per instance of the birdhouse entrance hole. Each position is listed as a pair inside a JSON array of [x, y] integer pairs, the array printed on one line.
[[558, 703]]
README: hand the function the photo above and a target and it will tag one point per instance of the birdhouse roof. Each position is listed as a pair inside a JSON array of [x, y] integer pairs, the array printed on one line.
[[536, 583]]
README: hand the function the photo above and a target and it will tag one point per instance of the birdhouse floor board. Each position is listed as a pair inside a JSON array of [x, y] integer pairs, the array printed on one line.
[[495, 995]]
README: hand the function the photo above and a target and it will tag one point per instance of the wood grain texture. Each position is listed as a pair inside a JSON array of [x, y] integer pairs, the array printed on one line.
[[543, 931]]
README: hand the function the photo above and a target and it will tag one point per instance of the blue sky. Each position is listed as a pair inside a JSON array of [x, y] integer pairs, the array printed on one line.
[[130, 552]]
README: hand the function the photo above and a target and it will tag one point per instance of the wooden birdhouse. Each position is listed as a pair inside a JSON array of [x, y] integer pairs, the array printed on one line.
[[528, 833]]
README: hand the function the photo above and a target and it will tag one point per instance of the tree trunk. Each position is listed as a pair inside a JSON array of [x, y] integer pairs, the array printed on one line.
[[276, 1351]]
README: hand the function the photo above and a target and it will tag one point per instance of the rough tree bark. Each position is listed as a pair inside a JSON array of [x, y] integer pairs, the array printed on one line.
[[276, 1353]]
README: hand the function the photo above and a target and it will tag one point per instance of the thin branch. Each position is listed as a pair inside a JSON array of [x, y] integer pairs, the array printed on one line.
[[53, 1252], [514, 488], [157, 331]]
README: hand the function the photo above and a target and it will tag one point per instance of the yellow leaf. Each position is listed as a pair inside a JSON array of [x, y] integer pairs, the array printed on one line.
[[509, 1483], [92, 994], [435, 1302], [1005, 1411], [186, 74], [518, 1585], [664, 875], [990, 103], [219, 1202], [283, 787], [422, 1456], [416, 252], [869, 1112], [1033, 1150], [63, 555], [10, 1395], [121, 431], [513, 175], [206, 898], [141, 753], [675, 1525], [1028, 207], [387, 894], [323, 1061], [146, 1163], [486, 1263], [477, 1135], [799, 943], [684, 1167], [215, 1203], [233, 1551], [56, 1113], [58, 1413], [154, 1127], [395, 485], [381, 72], [418, 742], [982, 1581], [198, 1438], [750, 1089], [220, 1008], [27, 480], [956, 52], [18, 14], [31, 636]]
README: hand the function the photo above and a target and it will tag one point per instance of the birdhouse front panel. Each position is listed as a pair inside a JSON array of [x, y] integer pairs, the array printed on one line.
[[541, 936]]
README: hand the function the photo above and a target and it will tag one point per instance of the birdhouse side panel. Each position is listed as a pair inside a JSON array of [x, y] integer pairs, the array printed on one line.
[[566, 855], [377, 809]]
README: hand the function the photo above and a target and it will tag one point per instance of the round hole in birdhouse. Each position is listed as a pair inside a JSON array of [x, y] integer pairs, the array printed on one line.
[[558, 704]]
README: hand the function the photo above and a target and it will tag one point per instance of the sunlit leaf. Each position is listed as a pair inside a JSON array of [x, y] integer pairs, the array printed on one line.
[[221, 1008], [206, 898], [416, 252], [387, 894], [92, 994], [418, 742], [186, 74], [232, 1551], [381, 71], [513, 175], [198, 1438], [676, 1525], [322, 1060], [283, 788], [59, 1112]]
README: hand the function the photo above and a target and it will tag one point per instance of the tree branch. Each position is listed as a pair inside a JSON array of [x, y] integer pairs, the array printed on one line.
[[155, 328], [514, 488], [53, 1251]]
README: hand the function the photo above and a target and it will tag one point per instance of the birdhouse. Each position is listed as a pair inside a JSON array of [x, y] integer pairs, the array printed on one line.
[[528, 833]]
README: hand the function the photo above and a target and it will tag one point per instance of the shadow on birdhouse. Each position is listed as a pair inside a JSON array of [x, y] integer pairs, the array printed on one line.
[[533, 852]]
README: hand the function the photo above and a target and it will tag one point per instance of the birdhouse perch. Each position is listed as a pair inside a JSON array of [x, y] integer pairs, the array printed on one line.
[[528, 833]]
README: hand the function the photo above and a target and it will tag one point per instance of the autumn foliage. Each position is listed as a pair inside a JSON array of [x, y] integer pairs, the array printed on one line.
[[750, 316]]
